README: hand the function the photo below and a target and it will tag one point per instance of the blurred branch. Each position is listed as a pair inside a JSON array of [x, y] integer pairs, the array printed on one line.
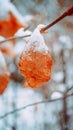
[[69, 89], [33, 104], [14, 38]]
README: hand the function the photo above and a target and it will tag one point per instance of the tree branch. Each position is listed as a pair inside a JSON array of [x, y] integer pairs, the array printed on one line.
[[68, 12], [33, 104], [53, 23], [69, 89], [14, 38]]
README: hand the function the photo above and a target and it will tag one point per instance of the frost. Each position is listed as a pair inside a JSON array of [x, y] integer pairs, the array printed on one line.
[[36, 41]]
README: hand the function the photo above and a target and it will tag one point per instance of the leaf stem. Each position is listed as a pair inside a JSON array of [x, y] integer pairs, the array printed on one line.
[[68, 12]]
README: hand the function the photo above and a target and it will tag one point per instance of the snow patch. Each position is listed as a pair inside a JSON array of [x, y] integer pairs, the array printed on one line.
[[36, 41], [56, 95]]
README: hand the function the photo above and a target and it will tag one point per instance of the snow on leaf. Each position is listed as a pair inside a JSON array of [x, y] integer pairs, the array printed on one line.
[[36, 41], [35, 61]]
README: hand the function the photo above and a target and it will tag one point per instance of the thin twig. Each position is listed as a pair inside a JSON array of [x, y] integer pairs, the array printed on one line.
[[68, 12], [33, 104], [69, 89], [14, 38]]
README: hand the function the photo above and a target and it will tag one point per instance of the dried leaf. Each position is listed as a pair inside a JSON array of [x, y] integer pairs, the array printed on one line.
[[10, 26], [35, 61]]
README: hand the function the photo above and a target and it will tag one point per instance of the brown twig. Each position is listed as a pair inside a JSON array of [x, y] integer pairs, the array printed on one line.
[[69, 89], [68, 12]]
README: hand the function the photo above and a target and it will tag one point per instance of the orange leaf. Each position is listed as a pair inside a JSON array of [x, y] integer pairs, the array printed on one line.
[[9, 27], [4, 74], [35, 62]]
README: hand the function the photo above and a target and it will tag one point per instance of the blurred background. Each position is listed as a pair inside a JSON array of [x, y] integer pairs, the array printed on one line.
[[57, 114]]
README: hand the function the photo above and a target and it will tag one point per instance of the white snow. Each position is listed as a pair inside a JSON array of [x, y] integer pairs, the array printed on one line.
[[20, 43], [6, 6], [56, 95], [18, 48], [4, 9], [22, 32], [36, 41], [2, 38]]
